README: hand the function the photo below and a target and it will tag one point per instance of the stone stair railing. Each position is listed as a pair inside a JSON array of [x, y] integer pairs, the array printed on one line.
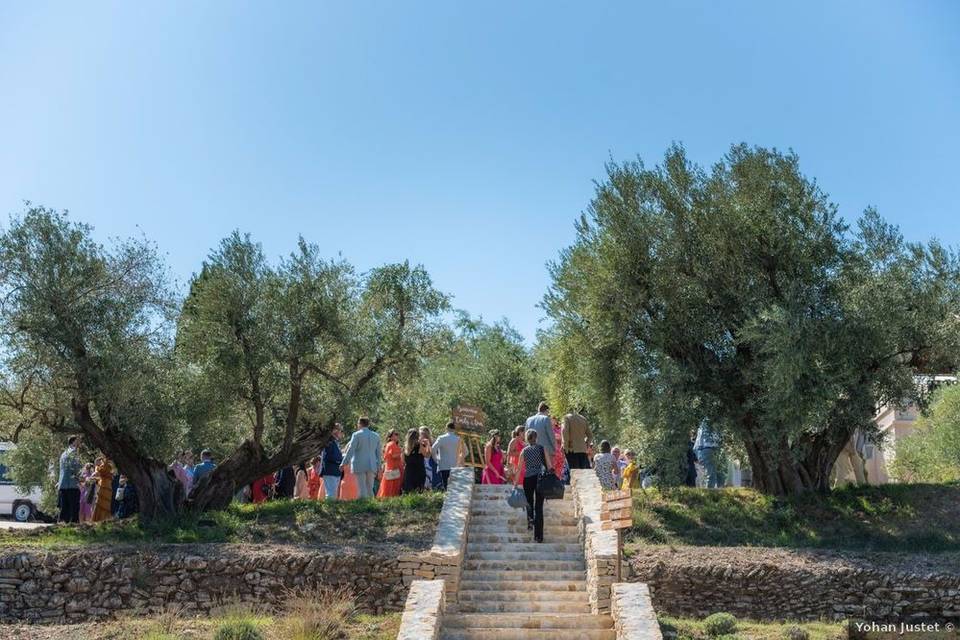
[[599, 546], [627, 602], [434, 575]]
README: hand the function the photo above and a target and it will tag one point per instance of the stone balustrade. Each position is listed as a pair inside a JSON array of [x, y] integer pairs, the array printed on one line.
[[423, 611], [445, 557], [599, 546], [632, 611]]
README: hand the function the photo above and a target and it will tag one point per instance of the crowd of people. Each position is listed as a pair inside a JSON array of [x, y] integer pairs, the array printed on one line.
[[92, 491], [396, 464]]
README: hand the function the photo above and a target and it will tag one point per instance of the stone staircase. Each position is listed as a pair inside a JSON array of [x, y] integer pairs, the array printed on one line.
[[512, 588]]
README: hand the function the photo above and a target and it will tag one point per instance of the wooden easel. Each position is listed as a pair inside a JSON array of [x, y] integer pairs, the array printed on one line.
[[470, 426]]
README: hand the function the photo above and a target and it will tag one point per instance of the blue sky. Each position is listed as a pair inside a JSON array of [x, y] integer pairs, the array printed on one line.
[[463, 136]]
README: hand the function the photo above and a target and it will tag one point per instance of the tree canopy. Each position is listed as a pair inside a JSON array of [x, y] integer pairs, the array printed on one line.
[[95, 339], [479, 364], [738, 294]]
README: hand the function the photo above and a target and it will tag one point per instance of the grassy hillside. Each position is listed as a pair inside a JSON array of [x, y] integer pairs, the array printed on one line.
[[409, 520], [896, 517]]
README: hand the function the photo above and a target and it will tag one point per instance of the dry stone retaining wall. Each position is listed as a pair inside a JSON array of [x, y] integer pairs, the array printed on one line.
[[779, 584], [96, 583]]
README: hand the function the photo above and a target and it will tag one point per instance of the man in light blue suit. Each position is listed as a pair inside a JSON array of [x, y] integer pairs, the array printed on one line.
[[363, 456]]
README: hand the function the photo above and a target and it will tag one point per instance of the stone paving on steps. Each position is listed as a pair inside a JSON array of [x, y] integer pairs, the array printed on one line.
[[511, 587]]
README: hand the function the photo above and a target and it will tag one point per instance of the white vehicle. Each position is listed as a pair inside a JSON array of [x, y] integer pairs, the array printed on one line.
[[21, 506]]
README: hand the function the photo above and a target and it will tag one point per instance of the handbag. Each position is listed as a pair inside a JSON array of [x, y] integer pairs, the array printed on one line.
[[391, 474], [518, 499], [550, 486]]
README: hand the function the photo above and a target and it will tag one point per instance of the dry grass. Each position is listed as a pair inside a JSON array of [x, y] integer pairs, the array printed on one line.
[[326, 615]]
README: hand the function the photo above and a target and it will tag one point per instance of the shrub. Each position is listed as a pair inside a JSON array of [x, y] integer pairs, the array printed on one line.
[[238, 629], [720, 624], [795, 633], [323, 615]]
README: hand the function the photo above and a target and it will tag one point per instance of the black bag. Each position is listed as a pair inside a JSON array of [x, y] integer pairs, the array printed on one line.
[[550, 486]]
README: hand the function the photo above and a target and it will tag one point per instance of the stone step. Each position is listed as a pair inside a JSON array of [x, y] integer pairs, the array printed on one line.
[[500, 583], [523, 544], [521, 566], [543, 579], [527, 595], [513, 521], [564, 621], [520, 538], [524, 555], [507, 510], [522, 606], [526, 634], [502, 496], [557, 531], [521, 515]]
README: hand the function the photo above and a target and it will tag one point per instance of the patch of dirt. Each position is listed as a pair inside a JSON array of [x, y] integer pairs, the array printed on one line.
[[645, 558]]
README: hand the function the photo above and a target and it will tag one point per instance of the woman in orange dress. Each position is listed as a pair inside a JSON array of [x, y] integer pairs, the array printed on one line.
[[314, 481], [348, 489], [514, 460], [392, 480], [104, 477]]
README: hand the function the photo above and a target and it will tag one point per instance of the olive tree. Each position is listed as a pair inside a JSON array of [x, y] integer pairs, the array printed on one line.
[[740, 295], [95, 339]]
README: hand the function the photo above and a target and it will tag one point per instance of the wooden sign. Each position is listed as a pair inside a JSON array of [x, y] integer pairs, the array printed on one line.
[[617, 510], [618, 514], [612, 505], [470, 425], [469, 419]]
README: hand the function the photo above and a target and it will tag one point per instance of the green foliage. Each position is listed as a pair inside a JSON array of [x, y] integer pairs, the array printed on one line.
[[289, 345], [932, 452], [86, 331], [738, 294], [720, 624], [238, 629], [482, 365], [258, 363], [893, 517]]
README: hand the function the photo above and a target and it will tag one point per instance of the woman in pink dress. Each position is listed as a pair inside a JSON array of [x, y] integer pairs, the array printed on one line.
[[493, 461], [559, 459], [88, 490], [514, 459]]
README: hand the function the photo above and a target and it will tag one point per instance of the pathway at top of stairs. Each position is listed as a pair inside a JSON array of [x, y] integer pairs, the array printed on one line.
[[512, 588]]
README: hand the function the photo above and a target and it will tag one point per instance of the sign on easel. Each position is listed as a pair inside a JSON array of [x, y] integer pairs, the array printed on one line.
[[469, 423], [616, 514]]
